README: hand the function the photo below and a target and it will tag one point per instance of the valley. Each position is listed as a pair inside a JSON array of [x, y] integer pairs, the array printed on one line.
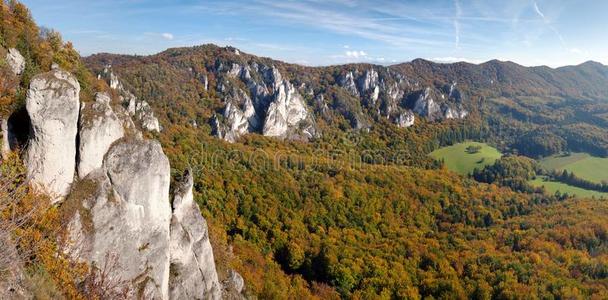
[[210, 172]]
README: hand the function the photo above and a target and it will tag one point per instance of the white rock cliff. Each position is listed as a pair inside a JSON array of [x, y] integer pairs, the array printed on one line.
[[52, 104], [16, 61], [193, 274], [125, 220], [99, 128], [120, 217]]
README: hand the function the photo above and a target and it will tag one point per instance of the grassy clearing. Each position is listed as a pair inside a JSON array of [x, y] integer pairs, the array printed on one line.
[[459, 160], [585, 166], [555, 186]]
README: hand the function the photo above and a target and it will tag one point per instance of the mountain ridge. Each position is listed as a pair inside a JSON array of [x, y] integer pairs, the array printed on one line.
[[591, 61], [493, 95], [514, 69]]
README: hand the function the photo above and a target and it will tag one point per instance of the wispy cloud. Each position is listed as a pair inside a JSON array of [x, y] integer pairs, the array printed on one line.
[[158, 36], [457, 16], [549, 24], [540, 13], [336, 21]]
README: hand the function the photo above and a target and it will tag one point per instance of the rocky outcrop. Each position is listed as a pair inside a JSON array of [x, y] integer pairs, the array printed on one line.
[[454, 113], [52, 104], [140, 109], [390, 95], [272, 105], [406, 119], [239, 115], [348, 83], [16, 61], [5, 146], [368, 85], [144, 113], [122, 217], [193, 274], [236, 280], [285, 112], [99, 128], [426, 106]]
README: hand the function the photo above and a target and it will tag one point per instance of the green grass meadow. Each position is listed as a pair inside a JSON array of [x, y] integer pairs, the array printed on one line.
[[457, 158], [591, 168], [585, 166], [553, 186]]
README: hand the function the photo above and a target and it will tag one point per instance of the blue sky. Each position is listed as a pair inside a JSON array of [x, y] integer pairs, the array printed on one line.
[[323, 32]]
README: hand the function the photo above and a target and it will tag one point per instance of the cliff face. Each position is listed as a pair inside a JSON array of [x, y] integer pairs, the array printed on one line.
[[99, 127], [52, 105], [191, 253], [269, 105], [274, 106], [114, 184], [125, 218]]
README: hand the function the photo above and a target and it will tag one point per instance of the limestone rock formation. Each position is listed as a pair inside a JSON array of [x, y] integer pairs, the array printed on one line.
[[454, 113], [406, 119], [286, 111], [236, 280], [387, 94], [239, 115], [122, 217], [348, 82], [426, 106], [16, 61], [193, 274], [5, 146], [144, 113], [272, 106], [99, 128], [52, 104], [140, 109]]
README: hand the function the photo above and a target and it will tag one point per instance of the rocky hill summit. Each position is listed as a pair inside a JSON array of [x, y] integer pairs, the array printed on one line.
[[286, 101]]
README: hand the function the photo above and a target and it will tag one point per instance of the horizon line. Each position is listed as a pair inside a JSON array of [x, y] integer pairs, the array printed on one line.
[[432, 60]]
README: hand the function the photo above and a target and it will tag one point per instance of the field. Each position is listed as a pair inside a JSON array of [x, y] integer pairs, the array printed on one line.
[[457, 158], [554, 186], [591, 168]]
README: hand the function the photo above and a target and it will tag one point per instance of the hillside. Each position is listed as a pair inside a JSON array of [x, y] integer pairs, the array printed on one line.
[[340, 208], [207, 172], [508, 105]]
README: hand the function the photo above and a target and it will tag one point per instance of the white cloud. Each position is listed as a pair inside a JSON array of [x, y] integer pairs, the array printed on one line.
[[356, 54], [578, 51], [450, 59], [167, 36]]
